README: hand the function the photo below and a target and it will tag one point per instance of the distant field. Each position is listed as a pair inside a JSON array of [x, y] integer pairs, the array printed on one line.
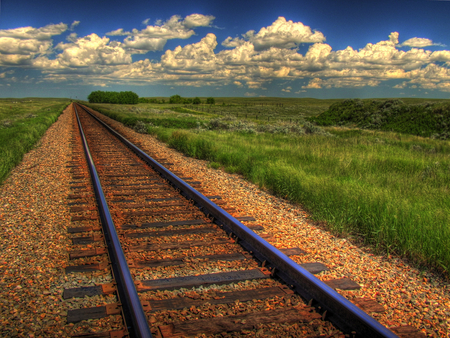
[[390, 189], [22, 124]]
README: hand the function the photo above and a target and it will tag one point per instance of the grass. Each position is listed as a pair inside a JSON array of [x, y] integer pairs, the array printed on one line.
[[390, 189], [422, 119], [22, 124]]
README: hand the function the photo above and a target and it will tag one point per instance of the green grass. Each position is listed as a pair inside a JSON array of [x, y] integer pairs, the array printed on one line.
[[422, 119], [390, 189], [22, 124]]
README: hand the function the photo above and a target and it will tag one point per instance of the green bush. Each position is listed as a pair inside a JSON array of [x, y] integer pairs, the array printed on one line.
[[424, 119]]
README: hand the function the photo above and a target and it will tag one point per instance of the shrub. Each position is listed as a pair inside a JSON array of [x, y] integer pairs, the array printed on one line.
[[426, 119]]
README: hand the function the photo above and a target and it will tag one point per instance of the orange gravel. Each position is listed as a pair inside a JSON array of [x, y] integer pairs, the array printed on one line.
[[33, 238]]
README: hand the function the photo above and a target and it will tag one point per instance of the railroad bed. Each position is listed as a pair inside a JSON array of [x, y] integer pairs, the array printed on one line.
[[195, 270]]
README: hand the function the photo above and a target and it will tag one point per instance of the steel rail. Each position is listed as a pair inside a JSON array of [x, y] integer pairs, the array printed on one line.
[[134, 314], [340, 311]]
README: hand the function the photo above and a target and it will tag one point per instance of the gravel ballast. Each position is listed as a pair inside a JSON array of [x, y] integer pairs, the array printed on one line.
[[34, 243]]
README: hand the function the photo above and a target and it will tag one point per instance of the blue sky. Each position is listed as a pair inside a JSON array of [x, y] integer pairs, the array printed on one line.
[[321, 48]]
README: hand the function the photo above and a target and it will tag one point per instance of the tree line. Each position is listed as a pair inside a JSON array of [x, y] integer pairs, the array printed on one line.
[[126, 97], [129, 97], [195, 100]]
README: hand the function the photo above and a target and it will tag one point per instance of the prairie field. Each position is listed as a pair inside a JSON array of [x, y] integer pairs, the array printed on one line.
[[22, 124], [389, 190]]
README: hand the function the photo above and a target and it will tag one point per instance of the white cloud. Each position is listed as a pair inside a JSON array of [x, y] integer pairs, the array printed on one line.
[[23, 46], [19, 46], [43, 33], [315, 83], [401, 85], [90, 50], [198, 57], [154, 38], [73, 25], [285, 34], [393, 38], [198, 20], [441, 55], [230, 42], [252, 60], [281, 34], [419, 42], [72, 37]]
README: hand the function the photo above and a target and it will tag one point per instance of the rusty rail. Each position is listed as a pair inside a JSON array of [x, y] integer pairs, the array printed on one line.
[[135, 318]]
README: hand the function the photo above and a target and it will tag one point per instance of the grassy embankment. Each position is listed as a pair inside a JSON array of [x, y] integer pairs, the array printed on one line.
[[22, 124], [391, 189]]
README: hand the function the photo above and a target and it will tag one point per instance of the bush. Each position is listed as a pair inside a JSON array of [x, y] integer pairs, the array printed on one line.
[[426, 119], [196, 100], [210, 100]]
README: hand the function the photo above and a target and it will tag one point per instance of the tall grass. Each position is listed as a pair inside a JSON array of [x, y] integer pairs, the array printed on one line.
[[22, 124], [393, 193], [390, 189]]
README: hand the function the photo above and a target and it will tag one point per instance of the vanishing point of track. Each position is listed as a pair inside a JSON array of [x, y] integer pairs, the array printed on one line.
[[154, 221]]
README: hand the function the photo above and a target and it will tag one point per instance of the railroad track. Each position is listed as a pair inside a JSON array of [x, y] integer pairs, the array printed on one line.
[[175, 263]]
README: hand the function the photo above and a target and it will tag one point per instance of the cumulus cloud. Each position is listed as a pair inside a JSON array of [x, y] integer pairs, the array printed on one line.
[[19, 46], [198, 20], [281, 34], [90, 50], [199, 57], [419, 42], [154, 38], [23, 46], [249, 61], [315, 83], [43, 33]]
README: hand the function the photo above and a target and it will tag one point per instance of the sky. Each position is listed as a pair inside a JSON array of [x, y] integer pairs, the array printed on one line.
[[284, 48]]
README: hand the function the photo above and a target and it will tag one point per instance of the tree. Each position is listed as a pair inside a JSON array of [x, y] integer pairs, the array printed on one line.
[[196, 100], [210, 100], [176, 99]]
